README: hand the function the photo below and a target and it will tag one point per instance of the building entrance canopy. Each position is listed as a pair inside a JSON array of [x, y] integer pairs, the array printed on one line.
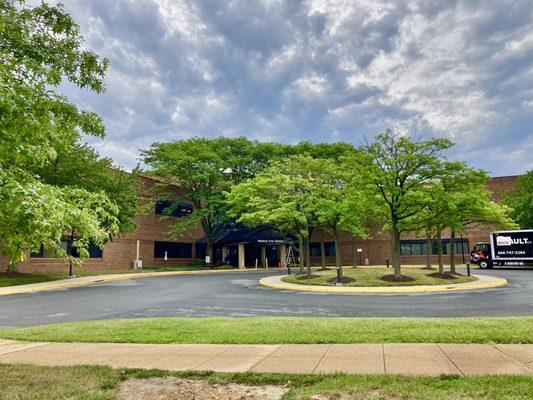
[[262, 235], [248, 247]]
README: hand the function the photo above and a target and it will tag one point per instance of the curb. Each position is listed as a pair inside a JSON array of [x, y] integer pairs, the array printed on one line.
[[65, 284], [483, 282]]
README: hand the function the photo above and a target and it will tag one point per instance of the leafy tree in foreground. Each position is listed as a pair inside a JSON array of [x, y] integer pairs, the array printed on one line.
[[336, 201], [521, 201], [204, 169], [399, 169], [40, 48], [456, 201], [278, 196], [82, 167], [469, 204]]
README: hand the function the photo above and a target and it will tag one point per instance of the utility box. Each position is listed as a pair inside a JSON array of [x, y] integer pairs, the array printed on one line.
[[137, 264]]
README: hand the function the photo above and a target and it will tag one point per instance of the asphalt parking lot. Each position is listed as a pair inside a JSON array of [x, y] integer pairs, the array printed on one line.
[[239, 295]]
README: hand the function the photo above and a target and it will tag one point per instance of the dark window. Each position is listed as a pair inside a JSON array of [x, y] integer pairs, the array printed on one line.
[[39, 253], [173, 250], [66, 244], [201, 250], [172, 208], [94, 250], [418, 247], [329, 249]]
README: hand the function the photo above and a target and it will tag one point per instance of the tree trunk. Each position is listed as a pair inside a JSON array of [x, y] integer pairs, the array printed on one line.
[[439, 248], [452, 251], [395, 247], [428, 250], [209, 251], [354, 250], [307, 255], [11, 267], [301, 256], [338, 262], [322, 250]]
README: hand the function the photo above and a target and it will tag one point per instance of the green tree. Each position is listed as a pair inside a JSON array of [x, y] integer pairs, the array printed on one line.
[[336, 200], [302, 193], [203, 170], [398, 169], [40, 48], [279, 196], [521, 201], [81, 166], [457, 201]]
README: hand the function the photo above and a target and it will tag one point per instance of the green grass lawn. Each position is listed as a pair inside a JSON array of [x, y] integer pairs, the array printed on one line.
[[27, 278], [24, 279], [273, 330], [101, 383], [373, 277]]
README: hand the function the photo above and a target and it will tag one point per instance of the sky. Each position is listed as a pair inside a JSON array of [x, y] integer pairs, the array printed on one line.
[[316, 70]]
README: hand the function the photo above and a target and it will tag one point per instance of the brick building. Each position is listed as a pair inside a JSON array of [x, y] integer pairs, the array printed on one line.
[[152, 239]]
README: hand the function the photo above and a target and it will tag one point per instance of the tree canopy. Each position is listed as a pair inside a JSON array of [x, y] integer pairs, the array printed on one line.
[[41, 48], [521, 201], [398, 169], [203, 169]]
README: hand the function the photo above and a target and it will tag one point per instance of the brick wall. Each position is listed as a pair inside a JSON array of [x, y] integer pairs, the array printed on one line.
[[378, 248], [120, 253]]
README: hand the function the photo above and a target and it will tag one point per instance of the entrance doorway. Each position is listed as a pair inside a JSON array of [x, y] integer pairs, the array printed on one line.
[[271, 253]]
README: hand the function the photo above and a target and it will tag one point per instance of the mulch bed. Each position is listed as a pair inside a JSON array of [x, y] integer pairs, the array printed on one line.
[[392, 278], [344, 279], [305, 277], [446, 275], [429, 269]]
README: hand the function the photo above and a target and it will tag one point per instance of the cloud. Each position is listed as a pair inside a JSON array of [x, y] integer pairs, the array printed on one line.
[[315, 70]]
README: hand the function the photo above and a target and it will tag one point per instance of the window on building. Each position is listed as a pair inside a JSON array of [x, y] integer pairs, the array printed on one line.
[[329, 249], [93, 250], [418, 247], [38, 254], [172, 209], [66, 244], [201, 250], [173, 250]]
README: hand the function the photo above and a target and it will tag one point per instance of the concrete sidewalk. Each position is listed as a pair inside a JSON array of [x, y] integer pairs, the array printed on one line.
[[410, 359]]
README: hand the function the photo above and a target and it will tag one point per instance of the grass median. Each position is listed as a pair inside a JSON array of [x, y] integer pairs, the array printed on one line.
[[104, 383], [364, 277], [275, 330]]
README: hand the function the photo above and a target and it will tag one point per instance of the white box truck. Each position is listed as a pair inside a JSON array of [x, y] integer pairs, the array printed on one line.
[[505, 248]]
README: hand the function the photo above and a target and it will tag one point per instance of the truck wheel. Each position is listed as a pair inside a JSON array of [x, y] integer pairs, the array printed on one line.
[[484, 264]]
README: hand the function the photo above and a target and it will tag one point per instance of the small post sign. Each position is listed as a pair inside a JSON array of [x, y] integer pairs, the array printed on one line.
[[207, 260]]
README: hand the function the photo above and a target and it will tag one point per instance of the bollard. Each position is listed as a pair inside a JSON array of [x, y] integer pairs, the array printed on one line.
[[468, 269], [289, 268], [387, 263]]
